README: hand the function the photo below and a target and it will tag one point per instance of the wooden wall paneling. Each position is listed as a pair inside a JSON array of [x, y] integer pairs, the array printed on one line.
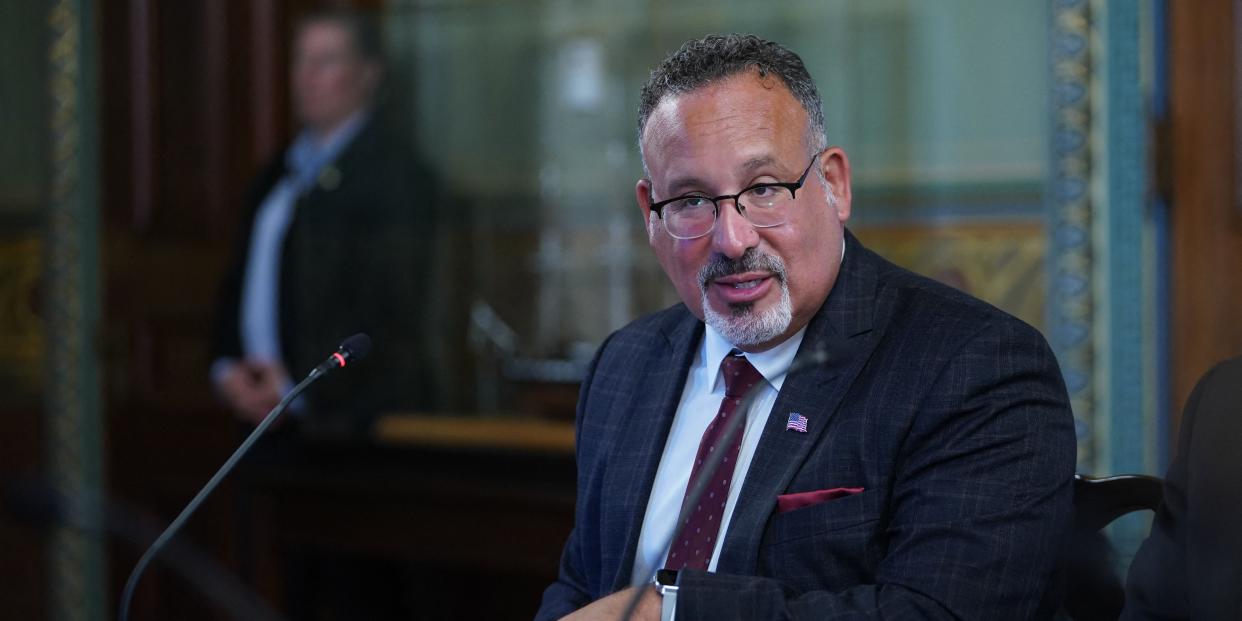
[[266, 77], [218, 35], [1206, 226], [22, 574], [142, 55], [177, 120]]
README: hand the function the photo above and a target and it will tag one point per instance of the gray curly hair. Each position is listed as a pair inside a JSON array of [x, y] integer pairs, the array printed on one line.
[[715, 57]]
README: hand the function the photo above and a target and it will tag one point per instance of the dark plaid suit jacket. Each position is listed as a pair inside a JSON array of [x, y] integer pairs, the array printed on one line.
[[949, 413]]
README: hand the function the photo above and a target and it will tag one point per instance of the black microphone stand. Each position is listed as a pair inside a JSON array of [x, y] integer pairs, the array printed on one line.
[[355, 346]]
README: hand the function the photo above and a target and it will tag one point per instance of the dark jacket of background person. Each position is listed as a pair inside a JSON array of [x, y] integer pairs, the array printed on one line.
[[951, 415], [1190, 567], [355, 259]]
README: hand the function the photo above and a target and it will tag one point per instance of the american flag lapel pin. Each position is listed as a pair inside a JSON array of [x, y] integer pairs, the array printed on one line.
[[797, 422]]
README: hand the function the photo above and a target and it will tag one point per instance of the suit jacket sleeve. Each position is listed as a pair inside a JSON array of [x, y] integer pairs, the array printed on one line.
[[981, 495], [226, 333], [571, 590], [1156, 585]]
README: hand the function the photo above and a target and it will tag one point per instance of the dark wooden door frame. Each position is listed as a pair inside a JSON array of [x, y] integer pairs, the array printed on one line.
[[1206, 223]]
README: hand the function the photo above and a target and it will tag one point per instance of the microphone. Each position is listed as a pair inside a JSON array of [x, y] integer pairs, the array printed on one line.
[[710, 465], [351, 349]]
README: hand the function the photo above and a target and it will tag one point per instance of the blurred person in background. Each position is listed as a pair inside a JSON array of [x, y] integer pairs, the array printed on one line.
[[1190, 566], [337, 240], [338, 237]]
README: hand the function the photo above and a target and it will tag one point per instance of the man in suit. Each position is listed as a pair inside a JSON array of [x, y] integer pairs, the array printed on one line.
[[337, 241], [923, 471], [1190, 566]]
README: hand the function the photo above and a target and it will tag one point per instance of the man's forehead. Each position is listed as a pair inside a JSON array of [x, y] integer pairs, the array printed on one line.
[[326, 33], [742, 114]]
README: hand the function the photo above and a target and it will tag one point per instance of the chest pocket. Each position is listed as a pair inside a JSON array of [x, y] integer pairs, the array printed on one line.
[[838, 542], [824, 517]]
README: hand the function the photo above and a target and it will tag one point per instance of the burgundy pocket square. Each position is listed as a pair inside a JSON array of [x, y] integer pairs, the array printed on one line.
[[789, 502]]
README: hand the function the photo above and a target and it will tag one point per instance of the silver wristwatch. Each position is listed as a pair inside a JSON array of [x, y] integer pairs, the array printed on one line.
[[666, 586]]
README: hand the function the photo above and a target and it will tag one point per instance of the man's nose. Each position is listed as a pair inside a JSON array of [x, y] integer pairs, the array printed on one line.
[[734, 234]]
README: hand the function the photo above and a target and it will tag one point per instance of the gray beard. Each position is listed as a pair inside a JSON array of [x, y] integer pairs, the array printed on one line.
[[744, 326]]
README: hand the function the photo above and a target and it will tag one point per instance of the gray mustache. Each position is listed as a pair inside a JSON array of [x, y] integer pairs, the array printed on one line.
[[720, 266]]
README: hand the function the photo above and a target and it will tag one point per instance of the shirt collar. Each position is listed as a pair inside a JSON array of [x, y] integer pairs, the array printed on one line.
[[772, 364], [309, 153]]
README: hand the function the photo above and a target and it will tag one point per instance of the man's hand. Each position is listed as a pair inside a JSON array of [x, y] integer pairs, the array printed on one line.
[[610, 608], [252, 388]]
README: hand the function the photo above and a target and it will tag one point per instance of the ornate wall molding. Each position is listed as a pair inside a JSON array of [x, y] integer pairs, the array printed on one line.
[[72, 410], [1104, 294], [1071, 303]]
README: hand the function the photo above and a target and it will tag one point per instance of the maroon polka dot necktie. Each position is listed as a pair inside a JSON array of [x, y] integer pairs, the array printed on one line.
[[692, 549]]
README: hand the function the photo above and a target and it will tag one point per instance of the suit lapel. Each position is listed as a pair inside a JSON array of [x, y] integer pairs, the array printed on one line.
[[842, 330], [646, 430]]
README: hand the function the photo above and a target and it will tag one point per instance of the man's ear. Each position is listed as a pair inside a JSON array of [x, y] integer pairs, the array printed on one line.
[[835, 166], [642, 194]]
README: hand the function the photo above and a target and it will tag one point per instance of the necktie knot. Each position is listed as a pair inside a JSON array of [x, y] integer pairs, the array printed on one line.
[[739, 375]]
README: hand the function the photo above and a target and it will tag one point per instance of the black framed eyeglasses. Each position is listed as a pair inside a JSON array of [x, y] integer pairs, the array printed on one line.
[[764, 205]]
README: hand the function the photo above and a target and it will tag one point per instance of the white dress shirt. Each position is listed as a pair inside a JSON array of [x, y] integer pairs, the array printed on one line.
[[260, 305], [700, 401], [259, 311]]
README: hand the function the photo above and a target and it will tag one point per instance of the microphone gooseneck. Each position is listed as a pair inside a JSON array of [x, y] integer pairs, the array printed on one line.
[[352, 349], [708, 473]]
